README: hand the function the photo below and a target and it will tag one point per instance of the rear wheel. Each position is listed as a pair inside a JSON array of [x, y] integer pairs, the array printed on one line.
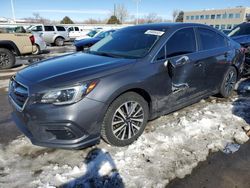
[[229, 82], [125, 119], [59, 41], [7, 58]]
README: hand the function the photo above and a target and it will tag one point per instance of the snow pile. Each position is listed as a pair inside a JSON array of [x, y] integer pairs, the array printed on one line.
[[170, 147]]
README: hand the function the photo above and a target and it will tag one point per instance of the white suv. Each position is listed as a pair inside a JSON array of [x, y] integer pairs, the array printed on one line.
[[52, 34]]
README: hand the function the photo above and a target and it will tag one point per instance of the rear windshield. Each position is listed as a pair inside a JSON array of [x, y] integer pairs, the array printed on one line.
[[242, 29]]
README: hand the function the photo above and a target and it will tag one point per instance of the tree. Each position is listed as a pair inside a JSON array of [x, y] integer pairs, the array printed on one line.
[[66, 20], [180, 17], [113, 20], [175, 14], [121, 12]]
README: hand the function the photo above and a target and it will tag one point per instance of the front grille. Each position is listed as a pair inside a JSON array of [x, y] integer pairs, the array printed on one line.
[[18, 93]]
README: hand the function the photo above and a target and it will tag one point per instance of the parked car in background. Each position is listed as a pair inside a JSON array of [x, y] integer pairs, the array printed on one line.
[[241, 34], [12, 45], [87, 43], [76, 31], [92, 33], [40, 44], [136, 74], [52, 34]]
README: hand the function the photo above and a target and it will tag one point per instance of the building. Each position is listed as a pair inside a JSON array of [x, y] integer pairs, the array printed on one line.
[[218, 18]]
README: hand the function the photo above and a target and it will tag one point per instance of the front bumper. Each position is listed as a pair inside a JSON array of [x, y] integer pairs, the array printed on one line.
[[70, 126]]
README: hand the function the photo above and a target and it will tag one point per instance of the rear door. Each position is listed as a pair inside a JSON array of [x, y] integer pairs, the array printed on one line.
[[215, 53], [49, 33], [62, 32]]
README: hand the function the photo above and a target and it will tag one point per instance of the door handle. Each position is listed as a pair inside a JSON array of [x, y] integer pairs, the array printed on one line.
[[182, 60]]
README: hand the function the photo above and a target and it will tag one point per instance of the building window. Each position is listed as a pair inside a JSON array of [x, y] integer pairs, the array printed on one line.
[[202, 17], [229, 26], [218, 16], [237, 15], [212, 16], [230, 16], [192, 17], [224, 16], [207, 17], [223, 27], [197, 17], [187, 17], [217, 26]]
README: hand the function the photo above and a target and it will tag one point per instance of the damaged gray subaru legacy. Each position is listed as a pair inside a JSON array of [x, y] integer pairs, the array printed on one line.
[[111, 91]]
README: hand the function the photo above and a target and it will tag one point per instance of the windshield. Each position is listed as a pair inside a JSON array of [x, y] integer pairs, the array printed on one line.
[[126, 43], [101, 34], [242, 29], [92, 33]]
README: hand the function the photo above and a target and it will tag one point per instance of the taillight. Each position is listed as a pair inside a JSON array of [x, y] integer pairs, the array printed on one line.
[[32, 39]]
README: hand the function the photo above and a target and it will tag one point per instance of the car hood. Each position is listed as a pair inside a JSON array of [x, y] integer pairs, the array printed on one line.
[[243, 39], [77, 67], [86, 41]]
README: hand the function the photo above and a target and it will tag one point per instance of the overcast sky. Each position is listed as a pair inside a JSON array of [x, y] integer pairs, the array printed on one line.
[[80, 10]]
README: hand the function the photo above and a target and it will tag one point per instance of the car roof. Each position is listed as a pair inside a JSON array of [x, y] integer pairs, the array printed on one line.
[[165, 25]]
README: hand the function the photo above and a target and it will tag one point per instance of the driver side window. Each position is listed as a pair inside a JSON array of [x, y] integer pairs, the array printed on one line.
[[182, 42]]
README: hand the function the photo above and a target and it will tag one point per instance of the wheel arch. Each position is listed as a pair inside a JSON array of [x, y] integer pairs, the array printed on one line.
[[10, 46], [142, 92]]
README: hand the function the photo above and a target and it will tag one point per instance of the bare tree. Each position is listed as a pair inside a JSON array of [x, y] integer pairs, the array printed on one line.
[[175, 13], [121, 13]]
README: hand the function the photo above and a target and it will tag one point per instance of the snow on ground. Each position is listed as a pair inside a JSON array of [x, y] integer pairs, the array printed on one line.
[[170, 147]]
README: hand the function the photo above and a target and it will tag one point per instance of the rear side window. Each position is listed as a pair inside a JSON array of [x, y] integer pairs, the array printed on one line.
[[76, 29], [210, 39], [49, 28], [242, 29], [60, 28], [182, 42]]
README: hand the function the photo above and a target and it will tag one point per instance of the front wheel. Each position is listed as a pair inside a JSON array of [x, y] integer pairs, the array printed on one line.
[[125, 119], [229, 82], [7, 59]]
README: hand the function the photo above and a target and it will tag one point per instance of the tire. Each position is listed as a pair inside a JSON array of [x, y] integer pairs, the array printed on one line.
[[121, 127], [59, 41], [228, 82], [38, 51], [7, 58]]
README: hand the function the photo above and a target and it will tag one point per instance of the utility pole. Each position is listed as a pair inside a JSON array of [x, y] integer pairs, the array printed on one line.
[[114, 9], [13, 11], [137, 11]]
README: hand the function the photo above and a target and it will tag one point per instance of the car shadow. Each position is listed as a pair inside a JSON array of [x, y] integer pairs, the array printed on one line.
[[101, 172], [241, 107]]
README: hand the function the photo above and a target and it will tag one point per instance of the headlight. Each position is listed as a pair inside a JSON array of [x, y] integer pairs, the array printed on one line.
[[67, 95]]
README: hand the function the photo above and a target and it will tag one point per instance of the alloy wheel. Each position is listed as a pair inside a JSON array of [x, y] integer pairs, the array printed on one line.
[[4, 59], [230, 82], [127, 120]]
